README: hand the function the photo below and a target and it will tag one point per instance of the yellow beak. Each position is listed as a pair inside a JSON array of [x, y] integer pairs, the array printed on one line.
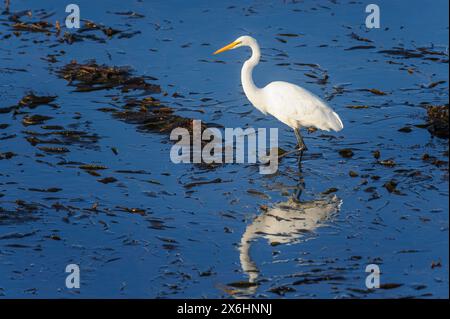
[[227, 47]]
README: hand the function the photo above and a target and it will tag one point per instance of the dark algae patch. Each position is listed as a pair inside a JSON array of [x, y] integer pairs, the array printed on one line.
[[346, 152], [30, 101], [92, 77], [148, 113], [437, 120]]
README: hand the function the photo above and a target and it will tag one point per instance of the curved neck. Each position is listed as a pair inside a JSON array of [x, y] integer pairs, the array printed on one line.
[[248, 85]]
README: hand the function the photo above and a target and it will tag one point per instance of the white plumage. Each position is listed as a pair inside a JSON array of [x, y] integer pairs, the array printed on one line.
[[289, 103], [297, 107]]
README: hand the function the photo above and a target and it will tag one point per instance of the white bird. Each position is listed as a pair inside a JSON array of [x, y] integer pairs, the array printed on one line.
[[289, 103]]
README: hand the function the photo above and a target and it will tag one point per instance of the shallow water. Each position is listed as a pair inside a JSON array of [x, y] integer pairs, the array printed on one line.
[[148, 235]]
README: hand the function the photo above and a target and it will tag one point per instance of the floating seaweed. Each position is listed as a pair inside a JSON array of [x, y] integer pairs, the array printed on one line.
[[346, 152], [422, 53], [437, 122], [40, 26], [35, 119], [92, 77]]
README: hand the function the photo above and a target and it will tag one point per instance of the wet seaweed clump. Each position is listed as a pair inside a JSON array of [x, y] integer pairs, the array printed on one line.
[[89, 31], [35, 119], [90, 25], [59, 139], [438, 120], [17, 25], [391, 187], [24, 212], [425, 53], [91, 76], [151, 116], [346, 153], [31, 101], [359, 38], [39, 26]]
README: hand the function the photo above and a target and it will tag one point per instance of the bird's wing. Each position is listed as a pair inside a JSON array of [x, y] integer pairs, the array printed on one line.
[[289, 102]]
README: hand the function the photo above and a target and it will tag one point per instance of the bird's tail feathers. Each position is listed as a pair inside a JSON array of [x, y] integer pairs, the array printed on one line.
[[336, 123]]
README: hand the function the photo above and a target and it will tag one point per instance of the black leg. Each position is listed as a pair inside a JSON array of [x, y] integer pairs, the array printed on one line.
[[301, 146], [301, 143]]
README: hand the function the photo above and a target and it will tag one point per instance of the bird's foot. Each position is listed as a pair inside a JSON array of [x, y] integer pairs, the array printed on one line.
[[301, 148], [297, 149], [288, 153]]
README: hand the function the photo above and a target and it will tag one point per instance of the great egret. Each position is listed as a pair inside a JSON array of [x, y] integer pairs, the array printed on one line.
[[289, 103]]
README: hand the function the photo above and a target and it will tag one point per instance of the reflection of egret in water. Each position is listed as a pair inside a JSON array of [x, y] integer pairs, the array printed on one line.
[[284, 223]]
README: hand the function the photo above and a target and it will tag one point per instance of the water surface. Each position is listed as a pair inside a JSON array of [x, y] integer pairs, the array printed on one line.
[[149, 232]]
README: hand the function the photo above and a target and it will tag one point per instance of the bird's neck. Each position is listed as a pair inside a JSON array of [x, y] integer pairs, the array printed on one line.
[[250, 89]]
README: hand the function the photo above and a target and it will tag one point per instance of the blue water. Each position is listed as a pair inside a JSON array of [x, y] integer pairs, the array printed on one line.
[[188, 242]]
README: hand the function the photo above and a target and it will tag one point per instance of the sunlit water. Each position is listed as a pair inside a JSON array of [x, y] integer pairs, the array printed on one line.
[[244, 236]]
